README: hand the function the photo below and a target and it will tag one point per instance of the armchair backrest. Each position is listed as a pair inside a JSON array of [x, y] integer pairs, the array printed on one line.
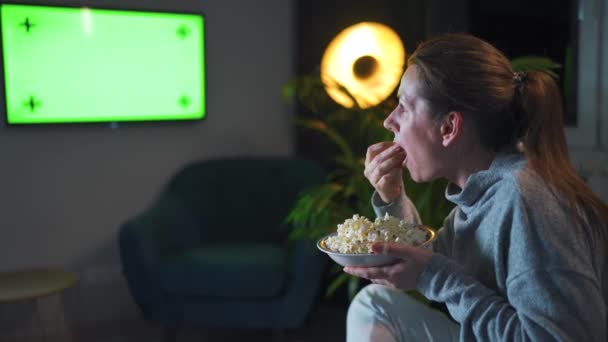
[[243, 199]]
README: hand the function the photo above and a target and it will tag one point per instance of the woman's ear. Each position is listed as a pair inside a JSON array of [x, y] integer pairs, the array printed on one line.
[[451, 128]]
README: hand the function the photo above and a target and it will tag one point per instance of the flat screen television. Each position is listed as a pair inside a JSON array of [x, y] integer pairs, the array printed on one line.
[[85, 65]]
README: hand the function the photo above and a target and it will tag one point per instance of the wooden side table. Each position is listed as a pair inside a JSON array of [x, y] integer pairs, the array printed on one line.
[[36, 286]]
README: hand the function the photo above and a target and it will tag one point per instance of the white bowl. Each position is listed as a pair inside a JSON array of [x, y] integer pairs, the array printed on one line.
[[368, 259]]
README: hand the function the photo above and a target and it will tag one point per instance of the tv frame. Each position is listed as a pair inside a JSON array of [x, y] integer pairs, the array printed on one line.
[[110, 123]]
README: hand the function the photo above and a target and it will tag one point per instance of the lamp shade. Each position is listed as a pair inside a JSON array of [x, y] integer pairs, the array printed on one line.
[[367, 59]]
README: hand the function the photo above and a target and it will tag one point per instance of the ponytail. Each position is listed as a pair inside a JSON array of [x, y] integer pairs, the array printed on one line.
[[544, 144], [463, 73]]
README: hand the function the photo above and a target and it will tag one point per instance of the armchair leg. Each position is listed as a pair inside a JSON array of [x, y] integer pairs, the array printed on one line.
[[170, 332]]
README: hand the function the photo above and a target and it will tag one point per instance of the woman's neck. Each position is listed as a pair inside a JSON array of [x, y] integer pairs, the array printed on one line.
[[469, 163]]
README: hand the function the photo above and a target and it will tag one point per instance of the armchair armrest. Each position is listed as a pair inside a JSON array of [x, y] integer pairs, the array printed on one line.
[[306, 265], [144, 241]]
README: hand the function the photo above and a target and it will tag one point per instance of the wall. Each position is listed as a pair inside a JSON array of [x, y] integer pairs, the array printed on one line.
[[66, 189], [588, 140]]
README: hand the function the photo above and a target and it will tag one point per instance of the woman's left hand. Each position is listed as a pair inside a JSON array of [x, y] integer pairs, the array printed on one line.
[[403, 274]]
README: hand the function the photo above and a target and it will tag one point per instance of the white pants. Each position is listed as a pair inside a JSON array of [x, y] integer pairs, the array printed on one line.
[[379, 313]]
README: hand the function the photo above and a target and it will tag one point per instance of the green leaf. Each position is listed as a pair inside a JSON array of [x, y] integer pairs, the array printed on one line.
[[336, 283], [353, 286], [333, 135], [536, 63], [332, 83], [311, 215], [288, 90]]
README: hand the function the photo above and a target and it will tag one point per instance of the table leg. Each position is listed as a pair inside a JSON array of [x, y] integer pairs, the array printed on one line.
[[38, 314], [52, 319]]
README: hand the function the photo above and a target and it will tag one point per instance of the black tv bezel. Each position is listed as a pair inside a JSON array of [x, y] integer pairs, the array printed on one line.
[[110, 123]]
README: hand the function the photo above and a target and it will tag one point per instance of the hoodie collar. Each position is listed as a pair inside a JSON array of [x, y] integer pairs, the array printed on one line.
[[480, 181]]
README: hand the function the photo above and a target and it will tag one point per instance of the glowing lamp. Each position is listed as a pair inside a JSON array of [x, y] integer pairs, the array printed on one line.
[[367, 59]]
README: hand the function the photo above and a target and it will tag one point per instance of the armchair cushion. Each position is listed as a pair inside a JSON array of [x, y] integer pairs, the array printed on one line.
[[236, 270]]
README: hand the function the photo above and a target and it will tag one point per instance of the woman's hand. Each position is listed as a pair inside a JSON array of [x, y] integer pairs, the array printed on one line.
[[403, 274], [384, 169]]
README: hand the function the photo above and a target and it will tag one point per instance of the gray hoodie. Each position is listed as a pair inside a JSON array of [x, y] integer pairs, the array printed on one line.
[[511, 264]]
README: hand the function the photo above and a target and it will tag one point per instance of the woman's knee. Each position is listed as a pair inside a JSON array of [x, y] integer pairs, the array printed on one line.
[[381, 313], [366, 319], [372, 299], [381, 300]]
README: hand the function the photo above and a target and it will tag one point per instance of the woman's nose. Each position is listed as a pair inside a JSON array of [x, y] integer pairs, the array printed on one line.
[[389, 124]]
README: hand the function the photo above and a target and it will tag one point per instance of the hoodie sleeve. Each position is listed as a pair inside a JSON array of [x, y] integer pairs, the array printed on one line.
[[402, 208]]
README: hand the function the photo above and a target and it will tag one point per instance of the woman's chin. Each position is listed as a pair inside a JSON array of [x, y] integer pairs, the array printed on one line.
[[415, 176], [416, 179]]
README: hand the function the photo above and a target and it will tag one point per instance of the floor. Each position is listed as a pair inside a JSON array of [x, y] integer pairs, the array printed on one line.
[[326, 323]]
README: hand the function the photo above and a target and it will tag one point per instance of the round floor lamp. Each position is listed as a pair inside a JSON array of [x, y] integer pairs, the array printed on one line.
[[367, 59]]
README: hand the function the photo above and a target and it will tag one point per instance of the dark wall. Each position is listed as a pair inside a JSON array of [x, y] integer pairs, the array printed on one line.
[[541, 27]]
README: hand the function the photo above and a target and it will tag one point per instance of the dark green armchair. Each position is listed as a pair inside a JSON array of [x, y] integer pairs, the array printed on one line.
[[212, 251]]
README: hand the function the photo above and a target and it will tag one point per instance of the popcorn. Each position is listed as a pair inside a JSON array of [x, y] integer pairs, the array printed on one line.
[[357, 234]]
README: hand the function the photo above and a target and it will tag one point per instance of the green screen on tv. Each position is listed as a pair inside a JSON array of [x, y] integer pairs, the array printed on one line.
[[79, 65]]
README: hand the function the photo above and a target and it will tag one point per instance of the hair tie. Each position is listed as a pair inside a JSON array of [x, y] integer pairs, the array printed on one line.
[[520, 77]]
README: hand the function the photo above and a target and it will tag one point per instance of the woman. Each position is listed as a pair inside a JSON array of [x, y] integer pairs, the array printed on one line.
[[523, 254]]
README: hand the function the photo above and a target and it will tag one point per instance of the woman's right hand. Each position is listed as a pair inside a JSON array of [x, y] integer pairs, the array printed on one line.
[[384, 169]]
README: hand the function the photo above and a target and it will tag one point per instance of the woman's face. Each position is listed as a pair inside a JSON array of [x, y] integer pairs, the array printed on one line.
[[415, 130]]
